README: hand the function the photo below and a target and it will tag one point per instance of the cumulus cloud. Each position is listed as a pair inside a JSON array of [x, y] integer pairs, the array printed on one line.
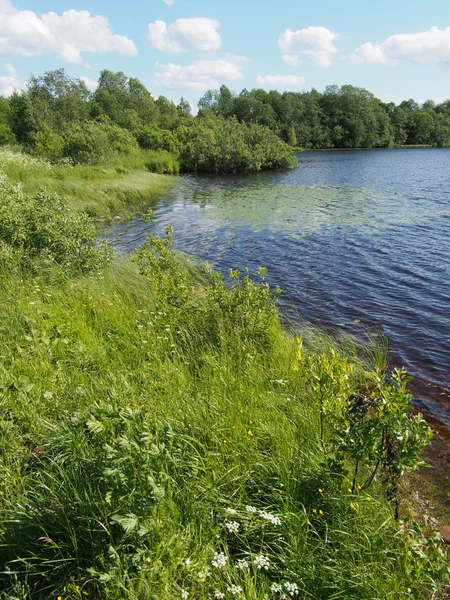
[[169, 2], [425, 47], [280, 81], [201, 75], [68, 35], [291, 59], [91, 84], [196, 33], [10, 82], [315, 42]]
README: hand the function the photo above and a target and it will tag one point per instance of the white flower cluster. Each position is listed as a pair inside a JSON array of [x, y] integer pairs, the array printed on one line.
[[184, 594], [242, 564], [218, 595], [262, 562], [231, 511], [291, 588], [235, 589], [219, 560], [232, 526], [272, 518], [251, 509]]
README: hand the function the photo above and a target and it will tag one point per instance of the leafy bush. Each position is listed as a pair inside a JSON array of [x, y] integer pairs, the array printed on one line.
[[153, 138], [42, 226], [6, 135], [213, 145], [46, 142], [92, 142]]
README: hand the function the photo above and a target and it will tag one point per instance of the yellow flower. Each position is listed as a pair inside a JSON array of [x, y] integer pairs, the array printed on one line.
[[108, 500], [281, 484], [352, 505], [314, 510], [259, 491], [224, 441], [368, 498], [250, 433], [251, 422], [350, 490], [321, 512], [359, 487], [321, 490], [59, 598]]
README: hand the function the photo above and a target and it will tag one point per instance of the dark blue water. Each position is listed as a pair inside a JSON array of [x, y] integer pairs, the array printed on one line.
[[354, 236]]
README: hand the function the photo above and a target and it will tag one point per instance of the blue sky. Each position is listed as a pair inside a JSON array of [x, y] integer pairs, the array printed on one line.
[[397, 49]]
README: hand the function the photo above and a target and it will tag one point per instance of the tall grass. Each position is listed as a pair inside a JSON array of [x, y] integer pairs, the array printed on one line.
[[101, 191]]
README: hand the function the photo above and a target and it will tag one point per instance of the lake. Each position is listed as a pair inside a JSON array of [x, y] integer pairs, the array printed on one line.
[[355, 239]]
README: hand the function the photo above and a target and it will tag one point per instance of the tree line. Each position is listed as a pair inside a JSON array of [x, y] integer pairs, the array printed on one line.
[[57, 117]]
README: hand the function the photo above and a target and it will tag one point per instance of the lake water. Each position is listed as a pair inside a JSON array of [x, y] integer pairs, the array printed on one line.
[[355, 239]]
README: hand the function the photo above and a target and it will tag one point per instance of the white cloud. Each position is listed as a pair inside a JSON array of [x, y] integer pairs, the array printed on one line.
[[10, 82], [291, 59], [197, 33], [68, 35], [315, 42], [91, 84], [280, 81], [169, 2], [425, 47], [201, 75]]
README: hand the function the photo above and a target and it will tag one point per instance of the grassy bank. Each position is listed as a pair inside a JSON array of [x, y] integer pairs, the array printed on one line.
[[162, 436], [101, 191]]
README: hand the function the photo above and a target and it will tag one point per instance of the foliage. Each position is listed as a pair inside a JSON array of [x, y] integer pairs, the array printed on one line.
[[153, 138], [42, 226]]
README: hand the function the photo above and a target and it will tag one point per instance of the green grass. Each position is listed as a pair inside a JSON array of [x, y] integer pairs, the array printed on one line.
[[101, 191], [163, 437]]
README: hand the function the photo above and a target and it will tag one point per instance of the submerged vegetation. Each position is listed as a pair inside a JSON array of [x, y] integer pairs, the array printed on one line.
[[162, 436]]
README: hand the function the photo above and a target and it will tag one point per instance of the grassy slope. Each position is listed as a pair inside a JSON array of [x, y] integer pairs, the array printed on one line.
[[100, 191], [137, 413]]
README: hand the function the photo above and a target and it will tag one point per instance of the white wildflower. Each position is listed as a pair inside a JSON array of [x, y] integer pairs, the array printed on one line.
[[276, 587], [218, 595], [242, 564], [187, 562], [232, 526], [231, 511], [219, 560], [251, 509], [184, 594], [262, 562], [272, 518], [204, 574], [291, 588], [235, 589]]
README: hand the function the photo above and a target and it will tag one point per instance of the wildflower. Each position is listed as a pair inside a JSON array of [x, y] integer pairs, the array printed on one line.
[[187, 562], [352, 505], [108, 500], [350, 490], [291, 588], [242, 564], [251, 509], [320, 512], [262, 562], [202, 575], [231, 511], [276, 587], [359, 487], [218, 595], [281, 484], [235, 589], [272, 518], [219, 560], [368, 498], [59, 598], [250, 433], [320, 490], [314, 510], [232, 526], [184, 594], [259, 491]]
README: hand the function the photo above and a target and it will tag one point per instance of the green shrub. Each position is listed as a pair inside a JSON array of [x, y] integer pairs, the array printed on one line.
[[152, 138], [46, 142], [161, 161], [92, 142], [42, 226], [6, 135]]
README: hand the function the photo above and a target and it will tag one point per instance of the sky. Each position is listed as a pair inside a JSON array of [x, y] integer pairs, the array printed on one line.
[[397, 49]]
